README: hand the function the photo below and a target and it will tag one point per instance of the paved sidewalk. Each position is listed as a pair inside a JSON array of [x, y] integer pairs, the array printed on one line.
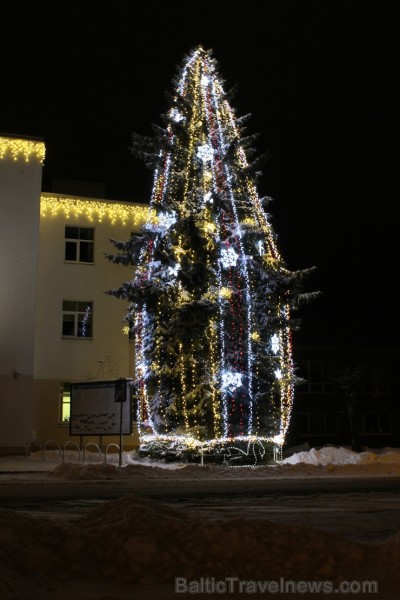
[[26, 464]]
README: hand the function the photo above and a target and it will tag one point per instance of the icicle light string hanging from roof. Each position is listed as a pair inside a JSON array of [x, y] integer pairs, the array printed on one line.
[[20, 148]]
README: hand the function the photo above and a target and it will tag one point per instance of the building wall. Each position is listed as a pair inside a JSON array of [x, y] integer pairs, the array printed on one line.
[[20, 187], [348, 397], [106, 355]]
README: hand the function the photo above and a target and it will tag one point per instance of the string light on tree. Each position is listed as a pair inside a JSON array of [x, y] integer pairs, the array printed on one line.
[[204, 338], [260, 247]]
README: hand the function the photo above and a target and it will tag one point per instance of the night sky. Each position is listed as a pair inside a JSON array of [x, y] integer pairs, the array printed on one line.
[[320, 80]]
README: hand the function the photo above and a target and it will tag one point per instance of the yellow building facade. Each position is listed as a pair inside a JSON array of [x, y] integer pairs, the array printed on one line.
[[58, 325]]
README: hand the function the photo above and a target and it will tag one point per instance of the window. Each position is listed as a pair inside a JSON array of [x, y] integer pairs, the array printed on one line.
[[79, 244], [374, 423], [317, 423], [77, 319], [317, 376], [378, 379], [65, 402]]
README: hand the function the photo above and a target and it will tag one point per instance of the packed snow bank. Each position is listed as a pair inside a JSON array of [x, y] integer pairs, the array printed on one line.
[[325, 462], [136, 541], [331, 455]]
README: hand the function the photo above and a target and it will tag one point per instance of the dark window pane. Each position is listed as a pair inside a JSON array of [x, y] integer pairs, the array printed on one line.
[[85, 233], [86, 252], [315, 371], [316, 387], [385, 423], [317, 423], [360, 422], [383, 388], [68, 325], [331, 423], [69, 305], [84, 306], [302, 368], [72, 232], [371, 423], [302, 423], [70, 251]]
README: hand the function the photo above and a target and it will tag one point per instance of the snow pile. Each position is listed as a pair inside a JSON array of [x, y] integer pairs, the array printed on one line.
[[328, 461], [138, 541], [331, 455], [140, 471]]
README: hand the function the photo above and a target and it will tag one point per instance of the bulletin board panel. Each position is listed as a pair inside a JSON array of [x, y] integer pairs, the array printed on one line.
[[101, 407]]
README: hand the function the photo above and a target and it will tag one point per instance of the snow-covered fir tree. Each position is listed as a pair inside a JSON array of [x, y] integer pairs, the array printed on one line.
[[210, 296]]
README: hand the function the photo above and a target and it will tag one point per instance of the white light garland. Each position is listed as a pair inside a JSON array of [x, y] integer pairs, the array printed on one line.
[[142, 369], [223, 144], [85, 321]]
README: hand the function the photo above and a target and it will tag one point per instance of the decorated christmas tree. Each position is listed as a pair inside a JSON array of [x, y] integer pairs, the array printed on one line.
[[210, 296]]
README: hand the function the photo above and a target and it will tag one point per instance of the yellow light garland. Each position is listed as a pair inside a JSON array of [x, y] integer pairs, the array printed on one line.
[[94, 210], [22, 148]]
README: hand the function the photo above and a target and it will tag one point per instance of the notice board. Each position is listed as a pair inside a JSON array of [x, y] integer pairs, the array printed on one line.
[[101, 407]]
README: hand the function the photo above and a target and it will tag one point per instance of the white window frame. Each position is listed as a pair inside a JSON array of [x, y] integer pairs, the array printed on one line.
[[78, 241], [77, 313]]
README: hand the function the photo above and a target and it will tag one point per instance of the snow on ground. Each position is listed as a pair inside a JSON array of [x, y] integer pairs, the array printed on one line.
[[331, 455], [327, 461], [134, 548], [136, 541]]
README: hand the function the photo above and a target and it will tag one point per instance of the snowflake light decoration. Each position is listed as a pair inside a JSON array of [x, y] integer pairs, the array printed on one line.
[[229, 257], [205, 153], [176, 115], [166, 220], [231, 380]]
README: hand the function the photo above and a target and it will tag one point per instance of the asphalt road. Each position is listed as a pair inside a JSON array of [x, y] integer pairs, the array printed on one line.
[[365, 509], [44, 488]]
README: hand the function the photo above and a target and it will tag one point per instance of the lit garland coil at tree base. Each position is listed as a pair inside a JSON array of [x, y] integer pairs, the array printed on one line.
[[210, 295], [241, 451]]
